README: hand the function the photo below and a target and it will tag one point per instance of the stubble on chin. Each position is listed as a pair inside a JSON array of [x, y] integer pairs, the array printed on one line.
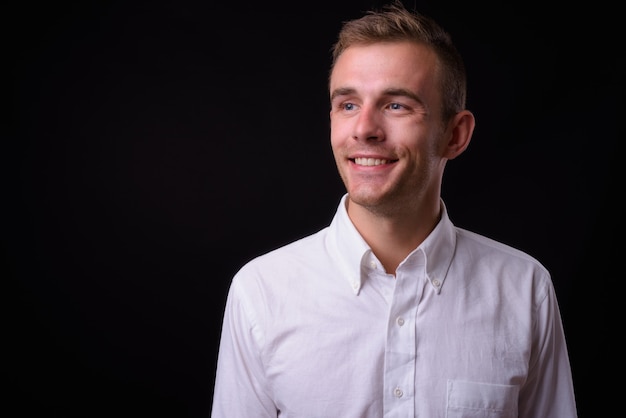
[[372, 201]]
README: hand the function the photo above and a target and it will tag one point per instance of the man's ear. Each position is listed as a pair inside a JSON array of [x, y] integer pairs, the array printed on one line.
[[460, 133]]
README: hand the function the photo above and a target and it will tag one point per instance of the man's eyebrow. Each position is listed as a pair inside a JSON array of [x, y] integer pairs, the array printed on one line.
[[345, 91], [342, 91], [402, 92]]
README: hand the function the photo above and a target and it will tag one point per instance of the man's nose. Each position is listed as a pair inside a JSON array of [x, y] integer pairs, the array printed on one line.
[[368, 126]]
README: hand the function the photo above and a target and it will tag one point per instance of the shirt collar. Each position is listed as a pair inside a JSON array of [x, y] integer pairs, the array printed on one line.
[[347, 246], [349, 249], [438, 248]]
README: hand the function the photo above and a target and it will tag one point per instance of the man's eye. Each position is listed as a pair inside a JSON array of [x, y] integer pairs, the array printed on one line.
[[396, 106], [348, 106]]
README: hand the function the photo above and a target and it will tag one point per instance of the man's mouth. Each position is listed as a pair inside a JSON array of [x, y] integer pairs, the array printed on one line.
[[369, 162]]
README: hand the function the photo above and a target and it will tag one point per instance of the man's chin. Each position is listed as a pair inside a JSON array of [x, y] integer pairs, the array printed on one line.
[[367, 199]]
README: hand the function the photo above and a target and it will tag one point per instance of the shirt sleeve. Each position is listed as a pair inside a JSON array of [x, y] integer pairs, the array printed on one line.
[[548, 391], [241, 388]]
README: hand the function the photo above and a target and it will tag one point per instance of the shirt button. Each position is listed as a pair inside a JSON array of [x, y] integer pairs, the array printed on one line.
[[355, 285], [400, 321], [373, 264], [436, 283], [398, 392]]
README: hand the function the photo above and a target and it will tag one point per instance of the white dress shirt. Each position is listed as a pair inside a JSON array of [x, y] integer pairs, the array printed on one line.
[[468, 327]]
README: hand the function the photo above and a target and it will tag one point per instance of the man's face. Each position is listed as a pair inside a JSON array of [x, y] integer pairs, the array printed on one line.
[[386, 126]]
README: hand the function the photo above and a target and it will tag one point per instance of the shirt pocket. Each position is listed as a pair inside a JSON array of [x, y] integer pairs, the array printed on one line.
[[481, 400]]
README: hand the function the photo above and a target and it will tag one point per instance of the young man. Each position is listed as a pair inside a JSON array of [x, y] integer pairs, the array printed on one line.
[[391, 310]]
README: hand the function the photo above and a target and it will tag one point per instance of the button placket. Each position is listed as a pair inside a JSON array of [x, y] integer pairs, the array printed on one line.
[[400, 353]]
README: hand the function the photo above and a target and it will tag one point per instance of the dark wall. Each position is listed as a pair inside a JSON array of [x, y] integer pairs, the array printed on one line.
[[154, 147]]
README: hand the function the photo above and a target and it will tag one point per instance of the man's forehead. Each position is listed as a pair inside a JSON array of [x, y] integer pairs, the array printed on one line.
[[383, 71]]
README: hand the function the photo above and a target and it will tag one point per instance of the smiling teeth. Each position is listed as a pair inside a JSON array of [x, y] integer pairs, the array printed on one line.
[[370, 161]]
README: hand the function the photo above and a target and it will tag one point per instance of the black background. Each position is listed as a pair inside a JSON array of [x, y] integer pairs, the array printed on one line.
[[154, 147]]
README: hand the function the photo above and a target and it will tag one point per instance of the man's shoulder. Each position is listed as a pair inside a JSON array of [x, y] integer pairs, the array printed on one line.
[[305, 248], [496, 251]]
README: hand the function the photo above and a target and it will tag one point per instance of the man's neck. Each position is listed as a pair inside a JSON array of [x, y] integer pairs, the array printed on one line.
[[392, 237]]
